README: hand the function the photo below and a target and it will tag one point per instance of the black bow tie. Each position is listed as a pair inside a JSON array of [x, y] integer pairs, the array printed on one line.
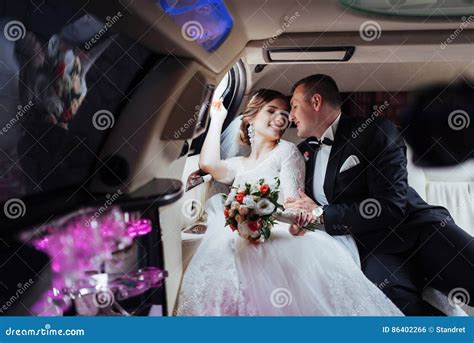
[[318, 143]]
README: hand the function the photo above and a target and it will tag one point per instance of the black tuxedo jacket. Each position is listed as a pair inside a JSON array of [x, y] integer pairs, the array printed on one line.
[[372, 200]]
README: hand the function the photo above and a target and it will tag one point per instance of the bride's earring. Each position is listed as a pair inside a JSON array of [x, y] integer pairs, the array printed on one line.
[[251, 133]]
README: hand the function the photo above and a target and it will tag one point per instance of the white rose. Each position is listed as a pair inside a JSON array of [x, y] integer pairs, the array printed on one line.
[[255, 188], [241, 189], [254, 234], [264, 207], [249, 202], [230, 197], [243, 210], [235, 206]]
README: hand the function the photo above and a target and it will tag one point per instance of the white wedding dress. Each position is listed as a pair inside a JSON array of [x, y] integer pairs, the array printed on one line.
[[315, 274]]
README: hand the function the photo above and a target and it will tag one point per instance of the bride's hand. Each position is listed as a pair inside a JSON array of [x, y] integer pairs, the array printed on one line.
[[304, 203], [218, 111]]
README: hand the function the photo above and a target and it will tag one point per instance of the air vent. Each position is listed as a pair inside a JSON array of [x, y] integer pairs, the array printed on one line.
[[311, 54]]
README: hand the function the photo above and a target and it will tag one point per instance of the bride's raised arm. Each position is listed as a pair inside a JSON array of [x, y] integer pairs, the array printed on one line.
[[210, 158]]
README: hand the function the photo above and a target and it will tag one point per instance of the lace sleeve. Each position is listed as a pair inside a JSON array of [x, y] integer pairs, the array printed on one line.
[[232, 164], [292, 172]]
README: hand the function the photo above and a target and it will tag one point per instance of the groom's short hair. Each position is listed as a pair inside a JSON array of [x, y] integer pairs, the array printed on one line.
[[323, 85]]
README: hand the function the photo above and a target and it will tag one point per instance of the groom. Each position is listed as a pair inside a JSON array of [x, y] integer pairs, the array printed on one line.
[[357, 184]]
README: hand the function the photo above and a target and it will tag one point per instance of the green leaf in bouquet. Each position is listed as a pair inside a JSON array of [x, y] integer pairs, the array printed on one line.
[[279, 206], [251, 217], [273, 198], [248, 186], [261, 181], [277, 181], [257, 193], [311, 227], [266, 232]]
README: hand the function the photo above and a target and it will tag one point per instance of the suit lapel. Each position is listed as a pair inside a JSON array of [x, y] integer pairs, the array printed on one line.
[[335, 156]]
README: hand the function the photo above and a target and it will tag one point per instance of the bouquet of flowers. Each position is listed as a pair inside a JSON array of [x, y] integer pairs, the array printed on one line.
[[251, 209]]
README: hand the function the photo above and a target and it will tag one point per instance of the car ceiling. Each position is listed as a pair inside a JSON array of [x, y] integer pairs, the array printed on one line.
[[262, 18], [387, 63]]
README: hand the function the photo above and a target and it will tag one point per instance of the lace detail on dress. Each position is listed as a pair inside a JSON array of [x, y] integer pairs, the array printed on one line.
[[349, 298], [285, 162], [210, 283], [292, 173]]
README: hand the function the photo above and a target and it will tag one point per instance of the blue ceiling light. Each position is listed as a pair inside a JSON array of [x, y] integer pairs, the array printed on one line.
[[207, 22]]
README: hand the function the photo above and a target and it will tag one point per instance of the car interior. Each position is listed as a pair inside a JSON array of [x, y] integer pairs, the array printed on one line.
[[152, 86]]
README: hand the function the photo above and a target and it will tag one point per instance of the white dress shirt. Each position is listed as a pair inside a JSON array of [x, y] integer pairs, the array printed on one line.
[[321, 164]]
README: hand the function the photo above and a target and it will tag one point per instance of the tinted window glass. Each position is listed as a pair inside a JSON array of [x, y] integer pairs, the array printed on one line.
[[64, 77]]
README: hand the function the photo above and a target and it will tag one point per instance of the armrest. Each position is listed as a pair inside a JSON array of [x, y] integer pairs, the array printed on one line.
[[44, 207], [196, 178]]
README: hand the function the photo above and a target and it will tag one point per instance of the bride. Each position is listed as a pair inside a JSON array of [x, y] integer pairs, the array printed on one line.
[[313, 274]]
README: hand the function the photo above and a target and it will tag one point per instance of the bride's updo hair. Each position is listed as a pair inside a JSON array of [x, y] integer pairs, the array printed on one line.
[[259, 99]]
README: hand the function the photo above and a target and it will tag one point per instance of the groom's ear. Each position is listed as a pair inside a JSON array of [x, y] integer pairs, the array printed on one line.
[[316, 102]]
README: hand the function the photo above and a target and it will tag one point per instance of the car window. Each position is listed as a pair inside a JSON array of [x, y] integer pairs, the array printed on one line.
[[224, 87], [62, 88]]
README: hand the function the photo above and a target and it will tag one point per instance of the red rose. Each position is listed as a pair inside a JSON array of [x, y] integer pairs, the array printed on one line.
[[264, 188], [66, 116], [61, 67], [240, 197], [226, 212], [233, 227], [254, 226]]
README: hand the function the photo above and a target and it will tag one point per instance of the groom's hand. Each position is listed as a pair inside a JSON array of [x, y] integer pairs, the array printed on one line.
[[304, 203], [295, 230]]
